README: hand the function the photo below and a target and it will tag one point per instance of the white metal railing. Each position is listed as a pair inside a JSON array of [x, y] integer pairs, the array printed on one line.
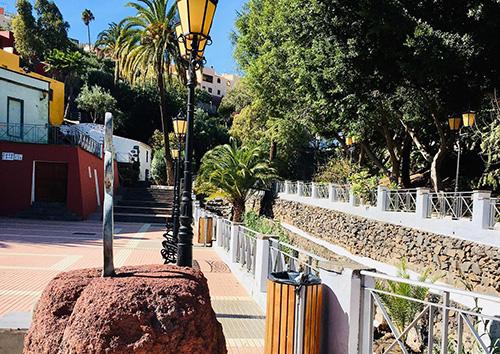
[[448, 326], [285, 257], [494, 212], [307, 190], [245, 253], [366, 197], [226, 234], [281, 186], [457, 205], [293, 188], [341, 193], [404, 200], [323, 191]]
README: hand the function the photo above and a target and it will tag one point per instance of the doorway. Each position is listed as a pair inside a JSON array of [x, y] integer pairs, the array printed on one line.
[[51, 182]]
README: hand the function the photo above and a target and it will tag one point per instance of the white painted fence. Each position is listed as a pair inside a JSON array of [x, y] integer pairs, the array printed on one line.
[[472, 216], [350, 296]]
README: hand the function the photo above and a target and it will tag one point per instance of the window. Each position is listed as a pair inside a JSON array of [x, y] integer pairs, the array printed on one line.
[[218, 80], [204, 88], [218, 92], [208, 78], [147, 156], [210, 89], [15, 117], [51, 94]]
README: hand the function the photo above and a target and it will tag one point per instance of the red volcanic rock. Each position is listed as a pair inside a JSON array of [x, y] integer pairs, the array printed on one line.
[[146, 310]]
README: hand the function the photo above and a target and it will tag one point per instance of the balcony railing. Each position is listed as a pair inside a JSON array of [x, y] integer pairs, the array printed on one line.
[[48, 134], [293, 188], [403, 200], [456, 205], [25, 133]]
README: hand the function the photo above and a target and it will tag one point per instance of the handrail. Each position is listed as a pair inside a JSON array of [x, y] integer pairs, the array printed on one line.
[[494, 212], [457, 205], [432, 286]]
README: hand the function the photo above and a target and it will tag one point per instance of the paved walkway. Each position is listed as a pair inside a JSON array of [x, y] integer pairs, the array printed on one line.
[[33, 252]]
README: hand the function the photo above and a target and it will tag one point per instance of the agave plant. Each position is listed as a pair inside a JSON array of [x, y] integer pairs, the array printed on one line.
[[234, 173]]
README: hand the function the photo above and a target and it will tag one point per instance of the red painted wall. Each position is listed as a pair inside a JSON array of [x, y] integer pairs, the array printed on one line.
[[16, 177]]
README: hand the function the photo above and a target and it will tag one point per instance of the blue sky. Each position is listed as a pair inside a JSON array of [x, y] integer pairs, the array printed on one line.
[[219, 55]]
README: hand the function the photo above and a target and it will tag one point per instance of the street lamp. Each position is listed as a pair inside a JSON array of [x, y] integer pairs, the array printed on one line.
[[196, 18], [175, 209], [455, 121]]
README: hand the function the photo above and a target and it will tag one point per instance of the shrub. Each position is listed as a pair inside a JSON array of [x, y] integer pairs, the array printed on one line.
[[158, 167]]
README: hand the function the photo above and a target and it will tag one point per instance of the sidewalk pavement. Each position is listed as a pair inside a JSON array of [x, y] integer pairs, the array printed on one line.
[[32, 252]]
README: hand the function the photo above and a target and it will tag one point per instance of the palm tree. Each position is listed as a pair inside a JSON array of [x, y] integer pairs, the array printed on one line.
[[233, 173], [111, 41], [88, 16], [150, 49]]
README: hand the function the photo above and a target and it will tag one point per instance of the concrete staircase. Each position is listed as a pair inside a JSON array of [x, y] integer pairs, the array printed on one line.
[[47, 211], [144, 205]]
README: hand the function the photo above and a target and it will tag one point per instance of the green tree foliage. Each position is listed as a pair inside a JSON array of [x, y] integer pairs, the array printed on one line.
[[403, 311], [158, 170], [87, 17], [233, 172], [36, 38], [67, 67], [26, 31], [375, 70], [209, 133], [109, 42], [148, 52], [96, 101]]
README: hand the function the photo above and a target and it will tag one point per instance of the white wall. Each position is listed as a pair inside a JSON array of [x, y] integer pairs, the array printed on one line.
[[33, 92], [227, 82], [123, 147], [465, 229]]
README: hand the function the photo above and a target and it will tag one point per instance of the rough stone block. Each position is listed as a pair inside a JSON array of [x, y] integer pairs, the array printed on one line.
[[147, 309]]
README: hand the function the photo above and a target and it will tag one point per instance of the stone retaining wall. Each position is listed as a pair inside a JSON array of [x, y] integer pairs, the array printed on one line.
[[452, 258]]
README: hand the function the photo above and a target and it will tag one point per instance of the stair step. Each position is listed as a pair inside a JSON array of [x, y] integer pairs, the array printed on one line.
[[141, 210], [141, 203], [142, 218]]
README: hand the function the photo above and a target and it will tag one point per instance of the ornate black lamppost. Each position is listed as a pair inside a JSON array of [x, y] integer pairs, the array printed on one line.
[[455, 121], [180, 126], [196, 18]]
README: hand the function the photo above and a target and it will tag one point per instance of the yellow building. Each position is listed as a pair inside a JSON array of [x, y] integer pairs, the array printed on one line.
[[10, 63]]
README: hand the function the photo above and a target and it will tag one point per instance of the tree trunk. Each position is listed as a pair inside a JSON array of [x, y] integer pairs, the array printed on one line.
[[90, 45], [374, 158], [405, 162], [68, 82], [394, 177], [437, 161], [164, 124], [417, 142], [117, 73], [238, 210], [273, 150]]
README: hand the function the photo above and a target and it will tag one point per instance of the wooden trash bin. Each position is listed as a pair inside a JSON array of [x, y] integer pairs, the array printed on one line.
[[293, 314], [205, 230]]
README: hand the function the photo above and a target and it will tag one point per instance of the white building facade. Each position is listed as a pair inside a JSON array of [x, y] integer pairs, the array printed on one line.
[[126, 150]]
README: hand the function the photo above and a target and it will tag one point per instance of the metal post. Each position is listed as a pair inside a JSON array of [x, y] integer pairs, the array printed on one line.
[[177, 188], [458, 163], [108, 269], [185, 249]]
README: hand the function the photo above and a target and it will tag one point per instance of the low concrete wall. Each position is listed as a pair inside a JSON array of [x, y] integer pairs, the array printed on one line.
[[12, 341], [455, 259]]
